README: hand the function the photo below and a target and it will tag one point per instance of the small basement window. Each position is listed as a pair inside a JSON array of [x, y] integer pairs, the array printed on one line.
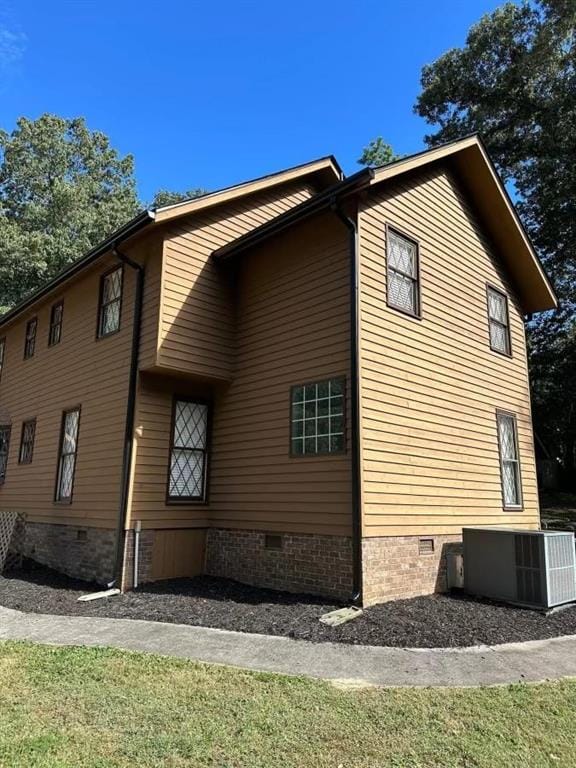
[[272, 541], [317, 418]]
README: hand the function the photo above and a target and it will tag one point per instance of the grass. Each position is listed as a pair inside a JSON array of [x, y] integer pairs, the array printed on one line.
[[64, 707]]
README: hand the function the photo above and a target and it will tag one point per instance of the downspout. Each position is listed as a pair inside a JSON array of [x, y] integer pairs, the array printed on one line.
[[350, 225], [130, 414]]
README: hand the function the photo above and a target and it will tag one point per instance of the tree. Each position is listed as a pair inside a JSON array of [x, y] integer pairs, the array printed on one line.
[[62, 190], [514, 81], [165, 197], [377, 153]]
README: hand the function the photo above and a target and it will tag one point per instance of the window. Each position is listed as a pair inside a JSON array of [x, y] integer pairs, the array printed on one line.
[[30, 341], [317, 418], [498, 321], [27, 442], [188, 451], [67, 455], [509, 460], [4, 446], [2, 355], [402, 274], [55, 332], [110, 302]]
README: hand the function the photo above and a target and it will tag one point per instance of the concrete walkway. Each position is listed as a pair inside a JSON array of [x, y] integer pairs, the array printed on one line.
[[353, 665]]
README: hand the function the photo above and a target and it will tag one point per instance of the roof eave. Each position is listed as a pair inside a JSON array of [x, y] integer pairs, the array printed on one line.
[[129, 229], [321, 201]]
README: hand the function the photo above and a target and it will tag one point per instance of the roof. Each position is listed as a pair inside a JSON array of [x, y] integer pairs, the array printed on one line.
[[324, 171], [470, 159]]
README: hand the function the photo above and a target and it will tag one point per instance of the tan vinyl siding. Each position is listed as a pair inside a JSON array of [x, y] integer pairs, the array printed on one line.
[[430, 388], [197, 317], [152, 448], [292, 306], [79, 371], [293, 328]]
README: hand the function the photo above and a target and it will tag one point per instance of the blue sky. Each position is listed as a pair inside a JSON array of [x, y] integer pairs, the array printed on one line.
[[210, 93]]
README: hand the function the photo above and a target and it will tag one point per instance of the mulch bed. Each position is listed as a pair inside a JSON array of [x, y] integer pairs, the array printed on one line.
[[437, 621]]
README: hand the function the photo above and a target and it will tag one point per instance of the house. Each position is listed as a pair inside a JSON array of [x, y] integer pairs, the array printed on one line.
[[306, 382]]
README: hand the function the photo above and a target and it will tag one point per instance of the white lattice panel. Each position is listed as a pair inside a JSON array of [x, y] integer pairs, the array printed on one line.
[[9, 523]]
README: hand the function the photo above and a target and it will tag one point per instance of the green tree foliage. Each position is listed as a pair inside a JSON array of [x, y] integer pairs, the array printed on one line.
[[62, 190], [377, 153], [165, 197], [514, 81]]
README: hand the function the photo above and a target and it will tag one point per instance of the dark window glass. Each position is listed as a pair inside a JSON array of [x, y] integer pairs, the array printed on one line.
[[30, 341], [67, 455], [188, 451], [317, 418], [55, 332], [402, 280], [110, 302], [499, 321], [4, 447], [27, 442]]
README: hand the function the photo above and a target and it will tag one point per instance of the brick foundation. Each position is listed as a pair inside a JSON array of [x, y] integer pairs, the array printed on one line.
[[394, 567], [310, 563], [84, 553]]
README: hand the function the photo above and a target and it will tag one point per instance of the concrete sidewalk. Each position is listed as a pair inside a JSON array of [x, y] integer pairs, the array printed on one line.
[[518, 662]]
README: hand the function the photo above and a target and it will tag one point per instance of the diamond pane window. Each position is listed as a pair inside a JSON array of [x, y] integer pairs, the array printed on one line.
[[30, 339], [110, 302], [67, 458], [55, 332], [2, 355], [317, 418], [4, 446], [27, 442], [498, 321], [509, 460], [188, 451], [403, 289]]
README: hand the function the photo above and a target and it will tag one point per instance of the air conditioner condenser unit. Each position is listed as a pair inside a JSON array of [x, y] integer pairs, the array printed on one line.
[[532, 568]]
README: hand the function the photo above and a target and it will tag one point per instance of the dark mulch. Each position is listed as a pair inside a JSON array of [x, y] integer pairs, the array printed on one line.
[[438, 621]]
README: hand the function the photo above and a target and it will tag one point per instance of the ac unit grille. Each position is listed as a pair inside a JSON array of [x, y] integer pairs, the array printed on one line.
[[528, 585], [528, 576], [561, 586], [527, 552]]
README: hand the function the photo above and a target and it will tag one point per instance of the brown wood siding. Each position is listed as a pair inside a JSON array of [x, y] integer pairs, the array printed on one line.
[[79, 371], [152, 450], [291, 301], [430, 388], [292, 328], [197, 317]]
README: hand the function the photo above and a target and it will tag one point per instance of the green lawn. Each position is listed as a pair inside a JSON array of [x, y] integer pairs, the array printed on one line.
[[104, 708]]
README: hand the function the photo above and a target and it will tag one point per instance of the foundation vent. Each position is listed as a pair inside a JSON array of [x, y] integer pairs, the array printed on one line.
[[272, 541], [426, 546]]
